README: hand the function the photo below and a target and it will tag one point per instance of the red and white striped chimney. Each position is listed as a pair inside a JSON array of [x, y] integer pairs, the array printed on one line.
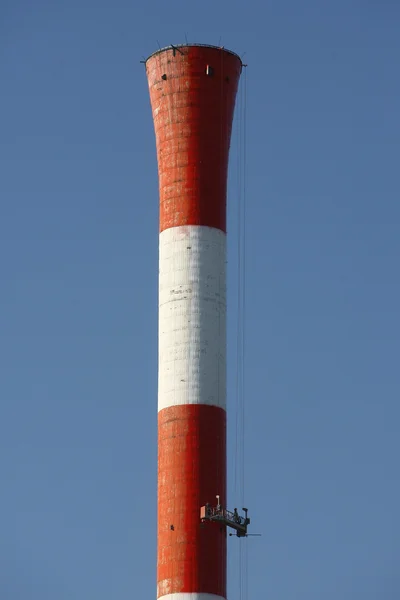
[[192, 91]]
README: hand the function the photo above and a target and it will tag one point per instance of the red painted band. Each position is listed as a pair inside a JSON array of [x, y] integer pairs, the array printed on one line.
[[192, 95], [191, 471]]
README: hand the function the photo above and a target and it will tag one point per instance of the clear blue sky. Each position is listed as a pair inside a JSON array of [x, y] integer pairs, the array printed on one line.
[[78, 295]]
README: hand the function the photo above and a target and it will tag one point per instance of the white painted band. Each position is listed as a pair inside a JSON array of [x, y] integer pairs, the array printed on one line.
[[192, 317], [191, 596]]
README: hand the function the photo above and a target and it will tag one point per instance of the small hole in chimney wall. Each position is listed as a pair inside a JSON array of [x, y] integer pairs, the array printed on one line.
[[209, 71]]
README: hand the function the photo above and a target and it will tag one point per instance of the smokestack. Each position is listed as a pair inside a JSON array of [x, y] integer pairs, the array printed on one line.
[[192, 90]]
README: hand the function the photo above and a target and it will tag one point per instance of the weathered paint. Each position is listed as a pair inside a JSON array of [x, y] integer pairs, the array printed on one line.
[[192, 92], [192, 317], [192, 115], [191, 471]]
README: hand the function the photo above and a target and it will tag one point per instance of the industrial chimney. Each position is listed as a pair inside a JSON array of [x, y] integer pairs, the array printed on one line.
[[192, 90]]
